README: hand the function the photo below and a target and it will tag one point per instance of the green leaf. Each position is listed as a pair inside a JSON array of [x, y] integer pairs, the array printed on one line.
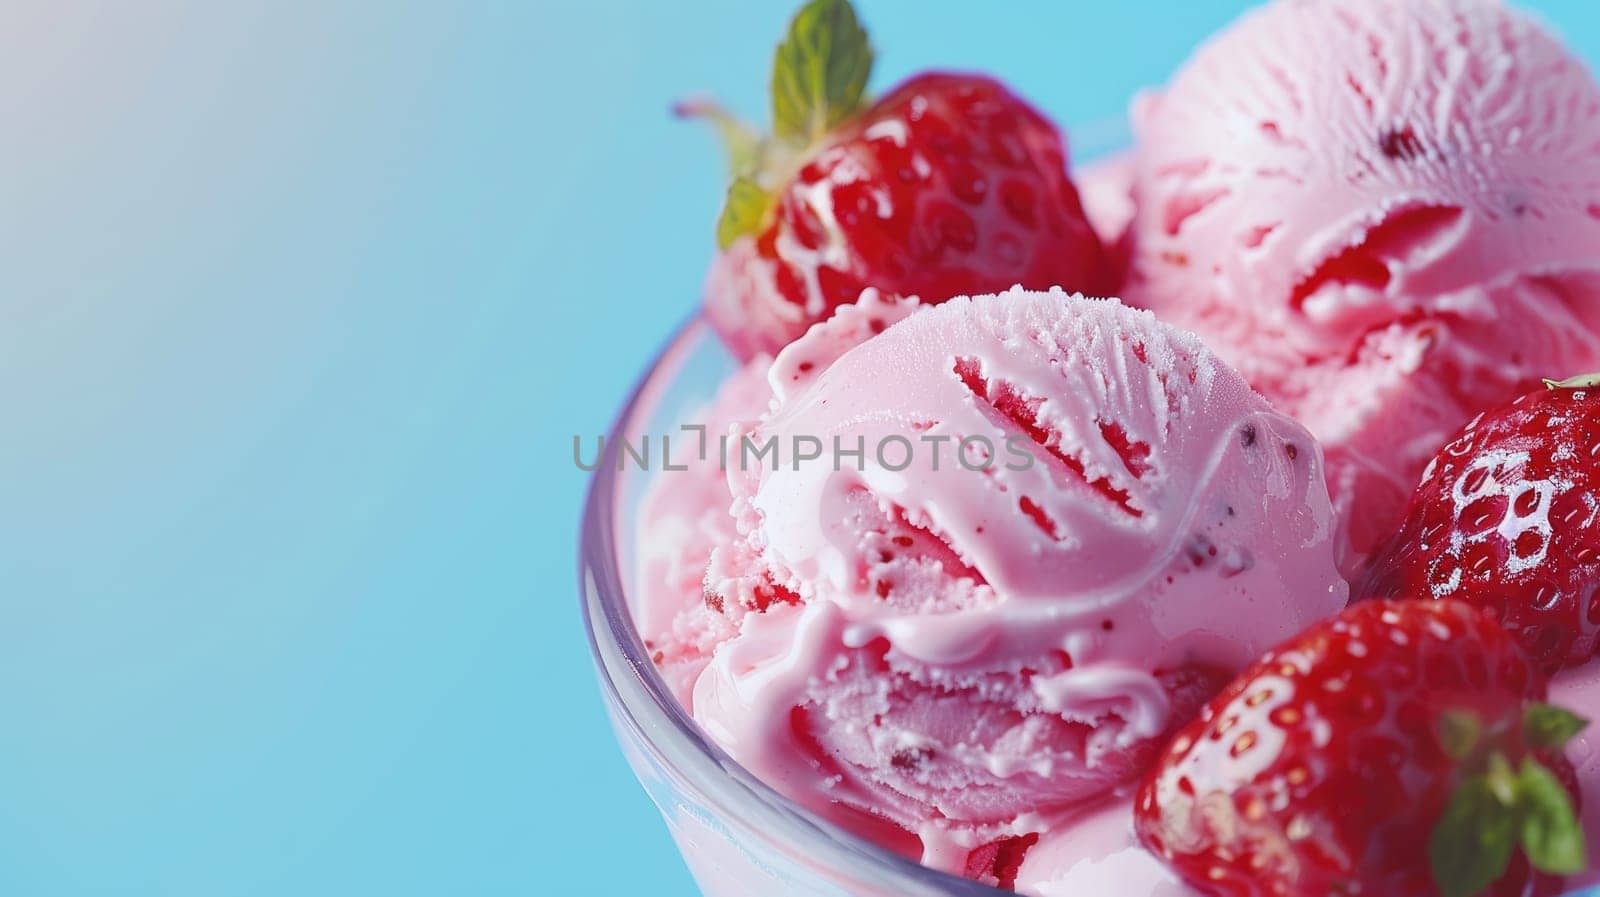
[[1548, 726], [1459, 731], [819, 73], [1471, 844], [1551, 835], [745, 209]]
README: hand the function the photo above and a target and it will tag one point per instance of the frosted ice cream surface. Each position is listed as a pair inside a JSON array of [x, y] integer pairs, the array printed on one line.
[[1384, 213]]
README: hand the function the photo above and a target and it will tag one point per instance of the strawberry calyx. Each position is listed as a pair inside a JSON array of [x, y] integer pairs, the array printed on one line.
[[819, 80], [1498, 807], [743, 144], [1582, 381], [1548, 727]]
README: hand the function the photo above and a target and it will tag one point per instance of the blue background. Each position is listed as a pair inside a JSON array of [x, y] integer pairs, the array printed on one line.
[[301, 304]]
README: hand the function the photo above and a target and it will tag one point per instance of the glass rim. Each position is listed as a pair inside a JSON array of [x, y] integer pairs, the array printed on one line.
[[650, 711]]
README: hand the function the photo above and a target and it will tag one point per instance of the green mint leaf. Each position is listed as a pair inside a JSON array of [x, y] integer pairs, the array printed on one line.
[[1459, 731], [1472, 842], [1551, 835], [819, 73], [1548, 726], [745, 209]]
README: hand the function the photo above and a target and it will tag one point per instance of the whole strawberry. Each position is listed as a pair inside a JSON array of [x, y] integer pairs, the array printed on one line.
[[948, 185], [1507, 517], [1390, 750]]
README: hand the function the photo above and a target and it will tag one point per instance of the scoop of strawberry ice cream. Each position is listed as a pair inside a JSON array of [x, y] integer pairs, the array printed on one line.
[[947, 651], [1384, 213]]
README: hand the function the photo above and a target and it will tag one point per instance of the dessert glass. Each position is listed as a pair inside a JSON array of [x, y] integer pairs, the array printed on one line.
[[739, 837]]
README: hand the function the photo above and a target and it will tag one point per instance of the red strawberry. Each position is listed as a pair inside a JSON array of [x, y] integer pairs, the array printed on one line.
[[1387, 751], [1507, 518], [949, 185]]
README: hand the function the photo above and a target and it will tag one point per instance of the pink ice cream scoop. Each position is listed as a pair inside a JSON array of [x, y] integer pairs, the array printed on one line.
[[1385, 214], [1001, 549]]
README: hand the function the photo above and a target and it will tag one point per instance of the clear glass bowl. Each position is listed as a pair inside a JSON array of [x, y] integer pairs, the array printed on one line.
[[739, 837]]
